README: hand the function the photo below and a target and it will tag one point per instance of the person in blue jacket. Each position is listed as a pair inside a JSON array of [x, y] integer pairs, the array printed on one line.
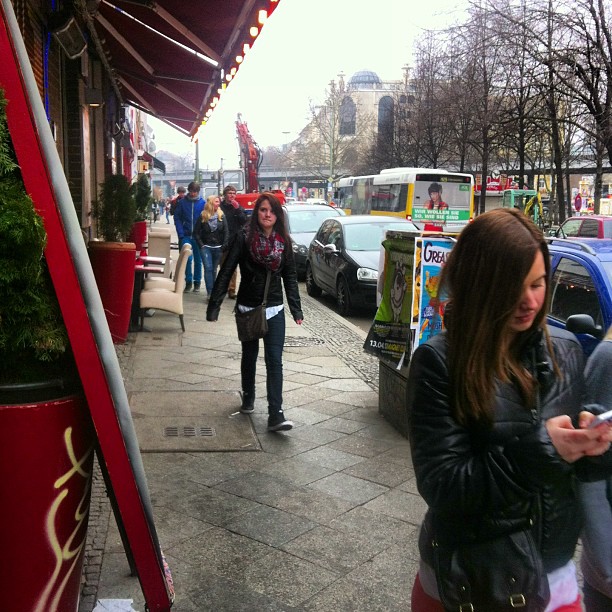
[[186, 214]]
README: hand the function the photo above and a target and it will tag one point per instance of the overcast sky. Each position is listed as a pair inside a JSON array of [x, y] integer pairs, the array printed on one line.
[[304, 45]]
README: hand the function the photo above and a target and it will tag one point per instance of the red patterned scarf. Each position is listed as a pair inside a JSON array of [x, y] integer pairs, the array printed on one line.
[[267, 251]]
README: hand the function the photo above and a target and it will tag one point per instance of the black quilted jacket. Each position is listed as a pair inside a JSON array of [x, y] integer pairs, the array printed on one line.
[[253, 281], [479, 483]]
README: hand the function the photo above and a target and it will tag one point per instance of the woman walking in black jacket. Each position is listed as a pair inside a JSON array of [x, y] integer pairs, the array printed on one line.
[[211, 233], [265, 246], [496, 445]]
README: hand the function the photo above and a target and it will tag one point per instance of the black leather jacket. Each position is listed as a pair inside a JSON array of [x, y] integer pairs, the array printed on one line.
[[481, 483], [253, 281], [203, 235]]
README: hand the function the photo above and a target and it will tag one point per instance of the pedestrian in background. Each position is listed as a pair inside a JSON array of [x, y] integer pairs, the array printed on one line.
[[494, 449], [264, 247], [596, 496], [212, 235], [167, 209], [180, 193], [236, 218], [186, 214]]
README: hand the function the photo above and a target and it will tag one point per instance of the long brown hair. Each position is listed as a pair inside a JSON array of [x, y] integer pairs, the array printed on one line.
[[484, 278], [280, 226]]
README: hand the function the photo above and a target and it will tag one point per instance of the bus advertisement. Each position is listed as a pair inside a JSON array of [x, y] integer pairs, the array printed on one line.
[[435, 198]]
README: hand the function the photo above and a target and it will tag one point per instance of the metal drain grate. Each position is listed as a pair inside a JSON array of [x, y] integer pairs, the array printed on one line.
[[188, 431]]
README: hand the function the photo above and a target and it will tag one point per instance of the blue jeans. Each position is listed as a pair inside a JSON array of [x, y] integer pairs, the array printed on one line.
[[273, 341], [210, 258], [195, 262]]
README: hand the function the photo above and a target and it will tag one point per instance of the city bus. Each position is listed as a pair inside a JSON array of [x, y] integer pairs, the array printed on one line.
[[433, 198]]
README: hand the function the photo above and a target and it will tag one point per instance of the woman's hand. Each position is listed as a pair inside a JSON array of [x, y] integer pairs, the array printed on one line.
[[299, 321], [573, 444]]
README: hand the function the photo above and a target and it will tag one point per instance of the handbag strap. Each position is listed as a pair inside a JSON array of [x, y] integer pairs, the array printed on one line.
[[265, 295]]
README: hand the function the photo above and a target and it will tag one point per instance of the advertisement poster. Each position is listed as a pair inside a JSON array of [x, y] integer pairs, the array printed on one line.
[[428, 299], [391, 330], [441, 199]]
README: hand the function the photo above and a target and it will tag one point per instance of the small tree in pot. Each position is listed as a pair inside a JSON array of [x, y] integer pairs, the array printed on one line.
[[33, 340], [113, 260], [115, 209]]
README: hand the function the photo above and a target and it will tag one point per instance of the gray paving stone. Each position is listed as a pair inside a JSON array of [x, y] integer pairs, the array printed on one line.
[[220, 552], [342, 425], [224, 595], [270, 525], [297, 471], [381, 472], [285, 577], [211, 505], [329, 457], [334, 550], [314, 505], [349, 595], [374, 525], [362, 446], [401, 505], [304, 415], [313, 432], [257, 486], [347, 487]]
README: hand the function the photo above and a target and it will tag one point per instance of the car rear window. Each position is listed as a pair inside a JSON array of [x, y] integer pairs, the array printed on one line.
[[589, 228]]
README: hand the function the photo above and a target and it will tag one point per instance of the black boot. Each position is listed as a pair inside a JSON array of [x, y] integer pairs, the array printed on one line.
[[248, 403], [196, 287], [188, 287]]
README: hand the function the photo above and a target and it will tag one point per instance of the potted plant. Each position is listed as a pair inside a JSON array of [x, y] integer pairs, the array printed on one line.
[[142, 201], [112, 259], [44, 422]]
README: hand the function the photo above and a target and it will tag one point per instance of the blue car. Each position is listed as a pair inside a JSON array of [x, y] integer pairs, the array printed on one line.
[[581, 288]]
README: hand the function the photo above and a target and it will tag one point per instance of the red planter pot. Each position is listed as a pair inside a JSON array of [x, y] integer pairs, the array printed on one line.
[[138, 236], [45, 477], [113, 266]]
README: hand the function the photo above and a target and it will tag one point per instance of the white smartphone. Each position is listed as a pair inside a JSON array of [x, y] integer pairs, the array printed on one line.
[[604, 417]]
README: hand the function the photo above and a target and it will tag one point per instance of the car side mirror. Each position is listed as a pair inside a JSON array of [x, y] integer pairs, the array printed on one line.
[[584, 324]]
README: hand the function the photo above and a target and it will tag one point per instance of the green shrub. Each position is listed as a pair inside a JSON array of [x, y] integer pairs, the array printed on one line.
[[115, 208], [33, 340]]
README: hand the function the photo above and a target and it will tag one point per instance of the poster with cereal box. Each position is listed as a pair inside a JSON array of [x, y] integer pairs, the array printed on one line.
[[428, 301]]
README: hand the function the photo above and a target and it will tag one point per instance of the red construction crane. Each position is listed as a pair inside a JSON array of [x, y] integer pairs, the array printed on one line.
[[250, 161]]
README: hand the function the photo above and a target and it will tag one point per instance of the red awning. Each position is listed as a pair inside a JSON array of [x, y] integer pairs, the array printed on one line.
[[164, 79]]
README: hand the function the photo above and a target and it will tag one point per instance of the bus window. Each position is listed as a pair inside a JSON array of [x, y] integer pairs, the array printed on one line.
[[389, 198], [361, 195]]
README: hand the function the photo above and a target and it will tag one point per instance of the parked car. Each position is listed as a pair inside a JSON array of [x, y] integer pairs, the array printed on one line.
[[343, 258], [581, 288], [303, 221], [591, 226]]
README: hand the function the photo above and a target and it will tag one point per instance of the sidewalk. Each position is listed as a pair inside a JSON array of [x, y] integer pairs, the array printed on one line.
[[323, 517]]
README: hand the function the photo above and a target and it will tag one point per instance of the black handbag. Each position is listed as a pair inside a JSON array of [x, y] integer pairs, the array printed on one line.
[[252, 324], [504, 574]]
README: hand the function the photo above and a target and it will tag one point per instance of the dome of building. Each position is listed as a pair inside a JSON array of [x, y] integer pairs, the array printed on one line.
[[364, 79]]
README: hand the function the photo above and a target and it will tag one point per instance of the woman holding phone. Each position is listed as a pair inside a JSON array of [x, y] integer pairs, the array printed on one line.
[[596, 497], [494, 404]]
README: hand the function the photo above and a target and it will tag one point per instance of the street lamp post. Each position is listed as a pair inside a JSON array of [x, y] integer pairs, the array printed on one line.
[[285, 150]]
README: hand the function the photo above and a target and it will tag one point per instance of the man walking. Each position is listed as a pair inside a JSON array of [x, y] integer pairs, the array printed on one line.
[[186, 213], [236, 217]]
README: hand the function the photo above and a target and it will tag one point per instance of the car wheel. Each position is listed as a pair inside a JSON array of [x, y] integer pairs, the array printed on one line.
[[312, 288], [343, 297]]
